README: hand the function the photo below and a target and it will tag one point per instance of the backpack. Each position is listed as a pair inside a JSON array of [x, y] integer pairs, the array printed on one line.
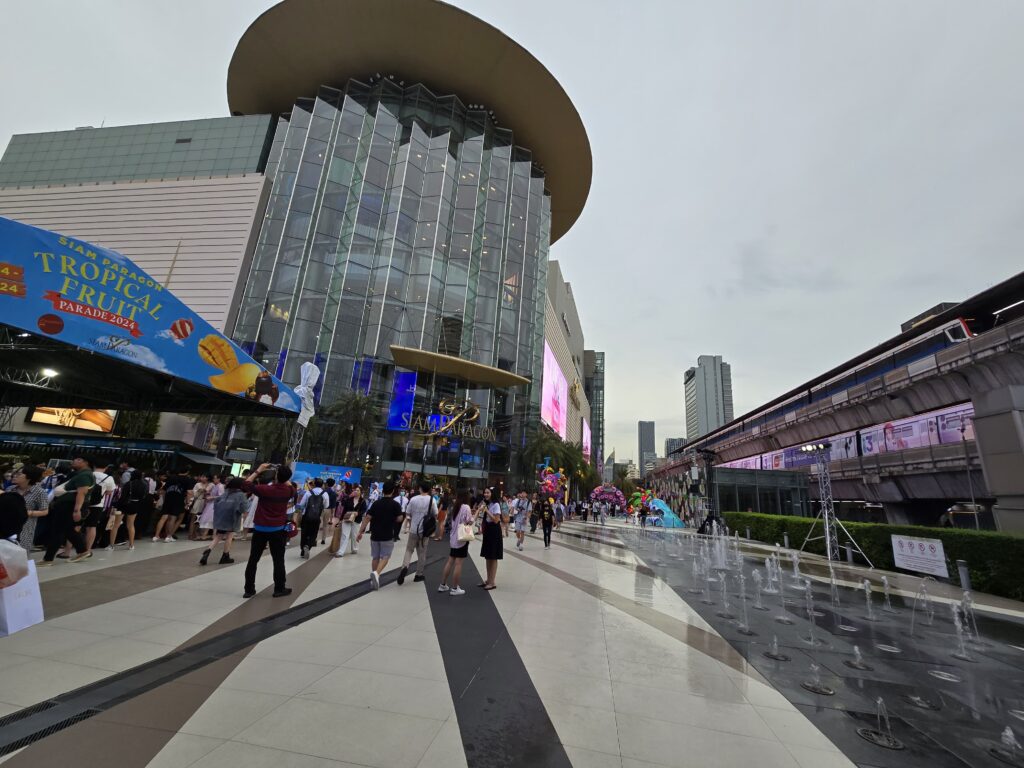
[[96, 493], [429, 524], [314, 506], [332, 496]]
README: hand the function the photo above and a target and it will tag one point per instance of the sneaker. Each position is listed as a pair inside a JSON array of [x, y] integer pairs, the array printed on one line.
[[249, 593], [444, 588], [374, 580], [282, 592], [156, 539], [401, 575], [131, 547], [456, 592], [44, 563], [304, 553], [169, 539], [419, 577], [519, 546], [108, 549], [81, 557]]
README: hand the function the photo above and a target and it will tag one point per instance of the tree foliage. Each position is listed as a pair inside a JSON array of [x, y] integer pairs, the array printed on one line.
[[543, 444], [137, 424]]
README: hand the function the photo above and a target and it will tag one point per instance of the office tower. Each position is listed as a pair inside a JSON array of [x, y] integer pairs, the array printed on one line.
[[708, 393]]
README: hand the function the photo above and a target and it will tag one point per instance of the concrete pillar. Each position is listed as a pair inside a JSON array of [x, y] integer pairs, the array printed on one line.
[[999, 431]]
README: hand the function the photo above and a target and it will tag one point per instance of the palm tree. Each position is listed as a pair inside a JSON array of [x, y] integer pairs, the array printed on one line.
[[347, 425]]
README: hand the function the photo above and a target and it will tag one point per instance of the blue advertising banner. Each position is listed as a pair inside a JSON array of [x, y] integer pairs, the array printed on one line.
[[403, 396], [98, 300], [305, 470]]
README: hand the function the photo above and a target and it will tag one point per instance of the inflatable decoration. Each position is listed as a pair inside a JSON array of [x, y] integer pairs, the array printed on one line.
[[608, 494], [549, 481]]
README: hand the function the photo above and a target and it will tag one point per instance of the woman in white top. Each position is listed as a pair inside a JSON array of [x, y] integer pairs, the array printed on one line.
[[459, 549], [213, 492]]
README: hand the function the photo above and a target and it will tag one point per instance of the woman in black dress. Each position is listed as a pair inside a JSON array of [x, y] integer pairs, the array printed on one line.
[[490, 528]]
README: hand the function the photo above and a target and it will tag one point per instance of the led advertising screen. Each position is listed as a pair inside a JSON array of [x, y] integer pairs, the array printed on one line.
[[554, 394], [93, 419], [586, 441], [403, 397]]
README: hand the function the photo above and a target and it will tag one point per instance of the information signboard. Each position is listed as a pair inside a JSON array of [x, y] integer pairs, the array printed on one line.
[[922, 555]]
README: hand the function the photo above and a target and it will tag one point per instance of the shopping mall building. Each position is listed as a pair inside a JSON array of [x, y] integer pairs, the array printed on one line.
[[380, 202]]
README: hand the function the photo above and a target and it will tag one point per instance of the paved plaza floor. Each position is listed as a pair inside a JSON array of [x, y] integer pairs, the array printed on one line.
[[595, 652]]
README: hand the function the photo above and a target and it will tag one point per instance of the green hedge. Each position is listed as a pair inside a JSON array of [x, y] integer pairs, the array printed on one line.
[[995, 560]]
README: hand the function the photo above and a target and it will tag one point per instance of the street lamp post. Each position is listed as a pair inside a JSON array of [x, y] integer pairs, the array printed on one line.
[[967, 461]]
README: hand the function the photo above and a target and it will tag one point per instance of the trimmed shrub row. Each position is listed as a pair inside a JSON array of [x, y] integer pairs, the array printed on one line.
[[995, 560]]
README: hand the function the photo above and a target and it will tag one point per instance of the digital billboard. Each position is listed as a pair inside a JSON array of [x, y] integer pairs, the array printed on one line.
[[403, 397], [93, 419], [586, 441], [554, 394]]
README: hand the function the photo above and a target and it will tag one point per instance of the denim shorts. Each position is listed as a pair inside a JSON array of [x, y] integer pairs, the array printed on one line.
[[381, 549]]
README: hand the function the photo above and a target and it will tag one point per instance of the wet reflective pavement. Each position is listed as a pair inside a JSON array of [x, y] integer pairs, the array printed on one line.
[[944, 710]]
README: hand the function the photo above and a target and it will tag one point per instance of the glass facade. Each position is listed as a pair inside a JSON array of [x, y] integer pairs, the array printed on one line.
[[220, 146], [400, 217]]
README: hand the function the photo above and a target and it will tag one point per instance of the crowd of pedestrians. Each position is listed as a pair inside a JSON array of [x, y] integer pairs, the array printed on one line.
[[66, 514]]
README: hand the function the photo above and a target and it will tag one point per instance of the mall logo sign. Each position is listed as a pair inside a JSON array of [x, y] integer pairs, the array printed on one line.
[[453, 420]]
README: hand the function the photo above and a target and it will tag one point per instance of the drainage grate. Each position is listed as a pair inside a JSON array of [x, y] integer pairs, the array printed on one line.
[[21, 714], [24, 741]]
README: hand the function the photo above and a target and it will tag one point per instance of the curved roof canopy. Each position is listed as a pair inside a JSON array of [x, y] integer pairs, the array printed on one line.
[[298, 45], [455, 367]]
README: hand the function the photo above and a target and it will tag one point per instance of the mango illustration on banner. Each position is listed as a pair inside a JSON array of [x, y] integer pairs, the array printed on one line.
[[246, 379]]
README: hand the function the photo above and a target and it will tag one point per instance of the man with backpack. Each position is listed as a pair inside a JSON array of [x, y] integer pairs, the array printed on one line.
[[313, 506], [330, 506], [67, 510], [100, 497], [421, 512]]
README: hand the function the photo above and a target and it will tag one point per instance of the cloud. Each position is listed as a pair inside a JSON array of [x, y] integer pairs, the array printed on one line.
[[167, 334]]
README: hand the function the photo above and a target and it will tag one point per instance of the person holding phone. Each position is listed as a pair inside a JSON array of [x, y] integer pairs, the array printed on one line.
[[491, 547]]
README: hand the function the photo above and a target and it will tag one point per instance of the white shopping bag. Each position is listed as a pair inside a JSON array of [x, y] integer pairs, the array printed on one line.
[[21, 604]]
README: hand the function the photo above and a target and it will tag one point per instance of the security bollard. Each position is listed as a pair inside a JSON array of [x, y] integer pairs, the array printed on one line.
[[748, 532], [849, 552], [785, 540], [965, 575]]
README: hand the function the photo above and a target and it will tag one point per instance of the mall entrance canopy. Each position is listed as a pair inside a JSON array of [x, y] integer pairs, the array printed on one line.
[[82, 326], [447, 433]]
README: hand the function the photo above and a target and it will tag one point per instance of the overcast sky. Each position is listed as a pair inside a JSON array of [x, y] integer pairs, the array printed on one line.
[[781, 183]]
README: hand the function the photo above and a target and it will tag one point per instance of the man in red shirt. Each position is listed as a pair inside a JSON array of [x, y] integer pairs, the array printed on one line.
[[269, 523]]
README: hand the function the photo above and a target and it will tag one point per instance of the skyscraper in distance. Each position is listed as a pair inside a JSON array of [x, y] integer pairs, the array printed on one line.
[[672, 443], [645, 450], [708, 395]]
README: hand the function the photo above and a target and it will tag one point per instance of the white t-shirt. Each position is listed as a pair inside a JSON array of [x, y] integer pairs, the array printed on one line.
[[107, 482], [418, 507]]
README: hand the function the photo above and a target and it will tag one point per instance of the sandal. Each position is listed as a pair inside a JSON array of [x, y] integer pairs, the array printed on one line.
[[493, 586]]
